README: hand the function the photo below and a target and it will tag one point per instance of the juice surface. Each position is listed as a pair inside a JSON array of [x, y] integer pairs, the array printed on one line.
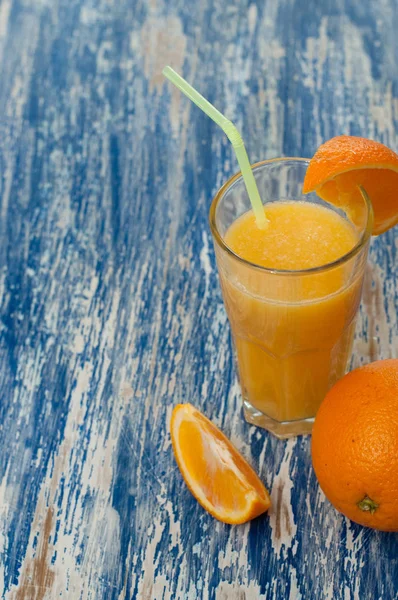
[[300, 235], [293, 333]]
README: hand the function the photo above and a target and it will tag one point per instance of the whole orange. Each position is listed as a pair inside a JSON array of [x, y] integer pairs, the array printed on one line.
[[355, 445]]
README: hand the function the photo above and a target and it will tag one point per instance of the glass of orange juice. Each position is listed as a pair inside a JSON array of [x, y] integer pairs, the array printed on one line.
[[291, 291]]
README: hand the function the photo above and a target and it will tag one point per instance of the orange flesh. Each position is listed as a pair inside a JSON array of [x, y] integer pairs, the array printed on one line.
[[381, 185], [213, 469], [221, 475]]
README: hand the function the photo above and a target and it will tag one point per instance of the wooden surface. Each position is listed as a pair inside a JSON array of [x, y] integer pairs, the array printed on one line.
[[111, 311]]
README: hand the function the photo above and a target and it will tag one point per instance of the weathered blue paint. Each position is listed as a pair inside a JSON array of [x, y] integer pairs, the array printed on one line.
[[110, 307]]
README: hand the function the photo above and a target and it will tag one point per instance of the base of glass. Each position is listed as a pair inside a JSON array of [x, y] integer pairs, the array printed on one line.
[[280, 429]]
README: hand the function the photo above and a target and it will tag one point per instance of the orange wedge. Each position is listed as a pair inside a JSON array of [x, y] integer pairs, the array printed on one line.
[[344, 163], [215, 472]]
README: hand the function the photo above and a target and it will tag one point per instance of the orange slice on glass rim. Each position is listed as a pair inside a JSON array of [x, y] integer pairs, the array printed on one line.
[[215, 472], [344, 164]]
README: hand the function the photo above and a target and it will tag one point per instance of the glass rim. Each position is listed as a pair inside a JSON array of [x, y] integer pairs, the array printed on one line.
[[313, 270]]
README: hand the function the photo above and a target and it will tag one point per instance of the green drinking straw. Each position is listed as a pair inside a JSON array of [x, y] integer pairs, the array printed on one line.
[[234, 137]]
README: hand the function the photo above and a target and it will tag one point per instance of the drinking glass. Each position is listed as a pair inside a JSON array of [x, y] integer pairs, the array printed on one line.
[[292, 330]]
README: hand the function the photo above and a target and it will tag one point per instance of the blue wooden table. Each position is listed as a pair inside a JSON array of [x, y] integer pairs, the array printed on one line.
[[110, 308]]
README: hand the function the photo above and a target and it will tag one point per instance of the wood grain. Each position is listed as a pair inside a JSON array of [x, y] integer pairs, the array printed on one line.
[[110, 307]]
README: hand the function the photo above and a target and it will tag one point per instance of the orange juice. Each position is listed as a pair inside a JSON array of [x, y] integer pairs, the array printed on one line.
[[292, 327]]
